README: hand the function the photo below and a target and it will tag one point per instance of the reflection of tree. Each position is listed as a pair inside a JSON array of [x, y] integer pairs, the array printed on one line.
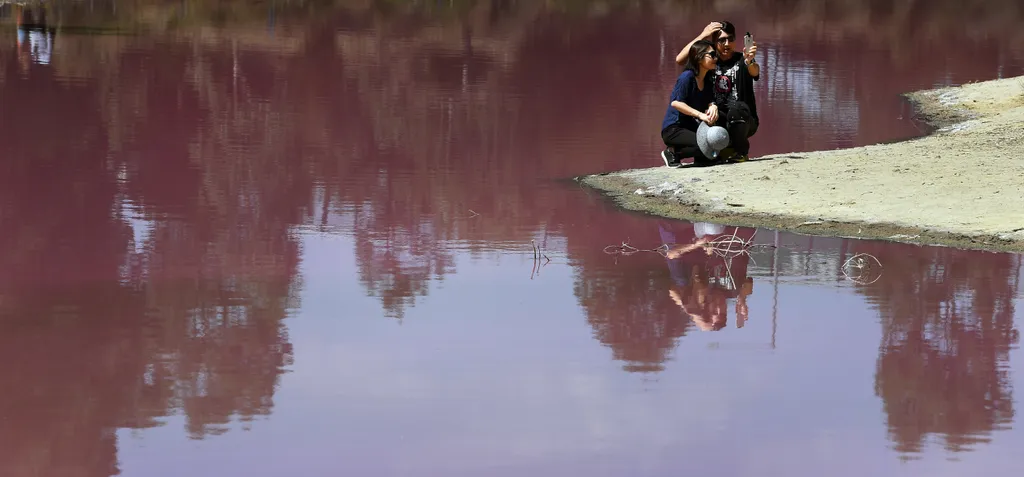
[[72, 366], [105, 332], [221, 320], [947, 321], [85, 360], [221, 278], [405, 118], [627, 300], [396, 264], [631, 312], [409, 113], [68, 340]]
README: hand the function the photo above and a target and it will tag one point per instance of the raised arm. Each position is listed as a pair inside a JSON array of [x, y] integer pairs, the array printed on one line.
[[706, 34], [752, 67]]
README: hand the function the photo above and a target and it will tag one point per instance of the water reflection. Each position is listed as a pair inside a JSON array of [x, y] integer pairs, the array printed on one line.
[[141, 274], [35, 37], [707, 274], [156, 187], [947, 330]]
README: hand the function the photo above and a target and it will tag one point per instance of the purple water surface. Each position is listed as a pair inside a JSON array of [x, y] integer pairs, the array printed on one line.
[[298, 239]]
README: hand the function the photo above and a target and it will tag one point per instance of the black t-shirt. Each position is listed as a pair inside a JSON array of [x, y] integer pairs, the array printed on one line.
[[727, 76]]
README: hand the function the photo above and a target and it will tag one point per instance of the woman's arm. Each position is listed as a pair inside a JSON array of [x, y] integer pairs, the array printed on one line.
[[709, 116], [683, 249], [708, 31]]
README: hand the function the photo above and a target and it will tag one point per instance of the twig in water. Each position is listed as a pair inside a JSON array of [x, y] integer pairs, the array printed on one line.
[[860, 269], [537, 255], [729, 246], [472, 213], [627, 249]]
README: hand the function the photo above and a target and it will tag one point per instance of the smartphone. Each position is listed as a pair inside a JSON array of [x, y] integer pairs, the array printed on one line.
[[748, 40]]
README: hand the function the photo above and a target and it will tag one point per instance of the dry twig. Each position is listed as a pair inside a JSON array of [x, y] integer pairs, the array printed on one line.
[[537, 256], [627, 249], [861, 269], [729, 246]]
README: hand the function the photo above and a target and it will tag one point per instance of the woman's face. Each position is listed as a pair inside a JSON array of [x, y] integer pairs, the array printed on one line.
[[725, 45], [709, 59]]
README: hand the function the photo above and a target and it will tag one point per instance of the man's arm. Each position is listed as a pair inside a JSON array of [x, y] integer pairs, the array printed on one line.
[[753, 68], [708, 31]]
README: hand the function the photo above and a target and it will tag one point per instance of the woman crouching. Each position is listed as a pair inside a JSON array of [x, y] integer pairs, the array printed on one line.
[[691, 103]]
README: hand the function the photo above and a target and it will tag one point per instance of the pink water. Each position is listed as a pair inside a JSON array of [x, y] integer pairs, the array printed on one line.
[[298, 240]]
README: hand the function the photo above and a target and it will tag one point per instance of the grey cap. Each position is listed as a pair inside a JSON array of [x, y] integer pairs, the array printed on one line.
[[711, 139]]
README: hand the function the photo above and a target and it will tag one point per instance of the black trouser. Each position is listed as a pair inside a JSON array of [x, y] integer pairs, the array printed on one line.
[[741, 126], [683, 142]]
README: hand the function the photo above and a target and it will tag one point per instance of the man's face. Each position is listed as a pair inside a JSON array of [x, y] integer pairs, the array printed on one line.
[[725, 45]]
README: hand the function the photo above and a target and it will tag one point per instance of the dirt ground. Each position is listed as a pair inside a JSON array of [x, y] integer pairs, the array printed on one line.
[[961, 186]]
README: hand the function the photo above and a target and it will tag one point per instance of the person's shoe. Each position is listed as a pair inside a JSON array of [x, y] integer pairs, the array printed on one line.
[[670, 158], [726, 155], [703, 162]]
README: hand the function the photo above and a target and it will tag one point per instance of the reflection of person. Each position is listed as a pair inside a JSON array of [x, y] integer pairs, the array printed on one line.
[[735, 73], [34, 39], [691, 102], [704, 282]]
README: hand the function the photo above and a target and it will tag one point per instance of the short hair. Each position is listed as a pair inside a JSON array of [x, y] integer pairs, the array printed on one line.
[[728, 28]]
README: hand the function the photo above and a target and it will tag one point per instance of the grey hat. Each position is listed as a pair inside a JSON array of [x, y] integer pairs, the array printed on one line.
[[711, 139]]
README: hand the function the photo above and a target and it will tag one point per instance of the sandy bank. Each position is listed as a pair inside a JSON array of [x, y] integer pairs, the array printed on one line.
[[962, 186]]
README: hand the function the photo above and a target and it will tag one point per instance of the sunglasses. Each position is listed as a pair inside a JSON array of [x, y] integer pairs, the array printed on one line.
[[727, 39], [712, 54]]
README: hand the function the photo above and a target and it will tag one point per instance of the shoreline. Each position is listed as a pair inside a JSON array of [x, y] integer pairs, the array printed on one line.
[[960, 185]]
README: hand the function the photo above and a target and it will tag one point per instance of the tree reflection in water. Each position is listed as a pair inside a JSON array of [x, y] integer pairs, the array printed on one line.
[[947, 328]]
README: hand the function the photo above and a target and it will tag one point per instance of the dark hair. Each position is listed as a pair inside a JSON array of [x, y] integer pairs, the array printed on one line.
[[697, 52], [728, 28]]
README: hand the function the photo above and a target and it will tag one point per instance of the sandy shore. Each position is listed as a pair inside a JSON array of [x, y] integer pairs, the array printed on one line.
[[961, 186]]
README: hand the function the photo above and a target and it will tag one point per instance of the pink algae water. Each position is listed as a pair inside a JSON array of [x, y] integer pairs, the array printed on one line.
[[297, 239]]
